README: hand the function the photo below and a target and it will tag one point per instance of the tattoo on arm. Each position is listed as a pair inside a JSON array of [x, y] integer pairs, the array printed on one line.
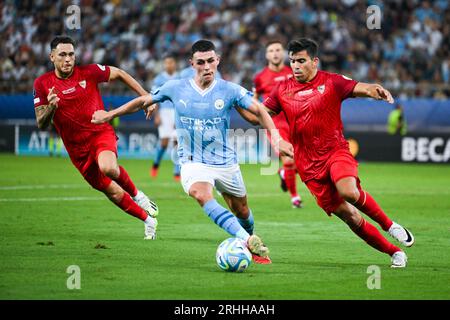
[[44, 115]]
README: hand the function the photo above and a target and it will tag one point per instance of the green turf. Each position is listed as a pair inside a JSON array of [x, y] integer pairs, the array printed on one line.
[[58, 221]]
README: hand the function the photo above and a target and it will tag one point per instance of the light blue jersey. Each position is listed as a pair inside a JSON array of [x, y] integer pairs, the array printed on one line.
[[202, 118], [159, 80], [189, 72]]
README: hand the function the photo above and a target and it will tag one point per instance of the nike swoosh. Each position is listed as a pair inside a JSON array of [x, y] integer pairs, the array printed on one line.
[[408, 235]]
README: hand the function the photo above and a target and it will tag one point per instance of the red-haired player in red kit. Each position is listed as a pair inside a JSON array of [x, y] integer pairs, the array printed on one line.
[[311, 101], [68, 96], [264, 82]]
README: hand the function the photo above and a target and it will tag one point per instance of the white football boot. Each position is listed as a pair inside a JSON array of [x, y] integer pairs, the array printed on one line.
[[399, 260], [401, 234], [150, 228], [145, 203]]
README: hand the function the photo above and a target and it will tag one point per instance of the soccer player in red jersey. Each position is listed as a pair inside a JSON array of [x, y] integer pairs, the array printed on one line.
[[311, 101], [264, 82], [67, 97]]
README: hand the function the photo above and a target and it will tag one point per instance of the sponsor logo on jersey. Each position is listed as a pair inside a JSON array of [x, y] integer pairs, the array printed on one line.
[[305, 92], [321, 88], [82, 84], [70, 90], [219, 104]]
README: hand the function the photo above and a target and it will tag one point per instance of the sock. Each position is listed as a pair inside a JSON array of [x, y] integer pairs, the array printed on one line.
[[248, 223], [370, 207], [225, 219], [125, 182], [129, 206], [176, 169], [374, 238], [290, 178], [159, 154]]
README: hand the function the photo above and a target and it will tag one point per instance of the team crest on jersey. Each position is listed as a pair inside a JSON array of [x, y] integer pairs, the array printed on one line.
[[219, 104], [83, 84], [321, 88], [101, 67]]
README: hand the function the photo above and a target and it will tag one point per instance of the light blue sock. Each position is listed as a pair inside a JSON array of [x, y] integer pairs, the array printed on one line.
[[248, 223], [225, 219], [176, 169], [159, 154]]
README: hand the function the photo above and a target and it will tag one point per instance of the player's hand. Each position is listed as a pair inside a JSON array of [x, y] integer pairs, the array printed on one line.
[[149, 111], [100, 116], [52, 98], [384, 94], [285, 148]]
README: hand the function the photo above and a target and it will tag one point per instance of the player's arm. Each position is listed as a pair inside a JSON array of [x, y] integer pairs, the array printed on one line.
[[44, 113], [263, 114], [139, 103], [119, 74], [248, 116], [372, 90]]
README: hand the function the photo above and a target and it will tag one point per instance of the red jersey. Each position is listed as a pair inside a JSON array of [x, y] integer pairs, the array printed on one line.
[[313, 112], [264, 83], [267, 79], [79, 99]]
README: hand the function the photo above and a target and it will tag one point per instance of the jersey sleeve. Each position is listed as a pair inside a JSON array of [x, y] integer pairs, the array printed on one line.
[[39, 94], [343, 86], [272, 102], [99, 73], [164, 92], [242, 97]]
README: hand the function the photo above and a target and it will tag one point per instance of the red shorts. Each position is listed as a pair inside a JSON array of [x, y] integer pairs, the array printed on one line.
[[340, 165], [85, 158]]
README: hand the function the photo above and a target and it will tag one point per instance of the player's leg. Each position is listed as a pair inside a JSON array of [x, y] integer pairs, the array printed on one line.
[[198, 182], [160, 150], [231, 185], [238, 205], [202, 192], [176, 165], [290, 176], [120, 197], [331, 202], [107, 163], [344, 175]]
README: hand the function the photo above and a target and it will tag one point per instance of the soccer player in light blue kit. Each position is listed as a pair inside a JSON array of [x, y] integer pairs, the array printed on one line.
[[165, 118], [208, 160]]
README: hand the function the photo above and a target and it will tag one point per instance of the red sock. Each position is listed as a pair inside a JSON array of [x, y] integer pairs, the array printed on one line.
[[374, 238], [125, 182], [370, 207], [129, 206], [290, 178]]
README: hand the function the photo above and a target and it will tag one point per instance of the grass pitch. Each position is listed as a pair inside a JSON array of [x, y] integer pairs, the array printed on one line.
[[51, 219]]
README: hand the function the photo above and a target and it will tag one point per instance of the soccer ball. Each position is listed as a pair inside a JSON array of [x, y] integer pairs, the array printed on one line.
[[232, 255]]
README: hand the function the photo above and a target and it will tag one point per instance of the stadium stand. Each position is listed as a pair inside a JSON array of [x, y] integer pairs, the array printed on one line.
[[409, 54]]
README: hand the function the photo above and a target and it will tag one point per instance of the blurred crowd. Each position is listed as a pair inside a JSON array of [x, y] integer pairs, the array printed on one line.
[[409, 54]]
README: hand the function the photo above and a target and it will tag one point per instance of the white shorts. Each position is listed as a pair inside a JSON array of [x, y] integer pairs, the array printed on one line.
[[167, 127], [226, 180]]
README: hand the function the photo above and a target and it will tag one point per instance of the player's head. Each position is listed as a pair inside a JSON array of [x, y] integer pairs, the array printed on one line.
[[303, 57], [170, 63], [62, 55], [275, 52], [204, 60]]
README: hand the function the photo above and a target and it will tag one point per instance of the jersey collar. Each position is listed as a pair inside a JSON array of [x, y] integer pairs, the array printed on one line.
[[201, 91]]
